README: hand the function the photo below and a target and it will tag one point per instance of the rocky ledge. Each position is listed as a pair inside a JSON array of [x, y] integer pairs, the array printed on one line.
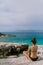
[[12, 49]]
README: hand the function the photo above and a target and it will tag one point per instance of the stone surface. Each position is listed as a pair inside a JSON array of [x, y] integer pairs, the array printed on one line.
[[12, 49], [19, 61]]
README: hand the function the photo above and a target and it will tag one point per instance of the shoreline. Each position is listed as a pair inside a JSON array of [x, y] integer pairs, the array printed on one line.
[[40, 47], [10, 43], [20, 43]]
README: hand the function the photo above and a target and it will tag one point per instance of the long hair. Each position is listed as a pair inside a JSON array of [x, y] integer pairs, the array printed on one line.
[[33, 41]]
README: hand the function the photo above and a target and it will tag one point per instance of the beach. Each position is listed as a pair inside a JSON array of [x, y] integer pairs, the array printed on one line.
[[21, 26], [21, 60]]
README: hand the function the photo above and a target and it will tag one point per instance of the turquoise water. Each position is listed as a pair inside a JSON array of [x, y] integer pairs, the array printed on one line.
[[23, 37]]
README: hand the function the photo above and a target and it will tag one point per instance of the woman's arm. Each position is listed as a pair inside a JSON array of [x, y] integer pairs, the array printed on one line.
[[29, 49]]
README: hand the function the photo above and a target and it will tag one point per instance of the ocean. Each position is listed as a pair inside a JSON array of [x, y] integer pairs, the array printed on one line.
[[23, 37]]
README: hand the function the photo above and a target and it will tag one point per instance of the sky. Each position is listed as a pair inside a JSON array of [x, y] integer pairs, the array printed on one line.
[[21, 15]]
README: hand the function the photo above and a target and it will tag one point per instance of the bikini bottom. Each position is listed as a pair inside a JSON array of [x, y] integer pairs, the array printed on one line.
[[33, 59]]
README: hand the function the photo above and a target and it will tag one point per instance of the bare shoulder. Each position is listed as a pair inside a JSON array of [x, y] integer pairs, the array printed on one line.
[[29, 48]]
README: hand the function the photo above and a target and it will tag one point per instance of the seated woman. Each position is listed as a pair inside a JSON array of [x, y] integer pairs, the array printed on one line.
[[31, 53]]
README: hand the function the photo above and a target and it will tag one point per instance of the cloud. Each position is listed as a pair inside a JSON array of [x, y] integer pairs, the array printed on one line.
[[21, 14]]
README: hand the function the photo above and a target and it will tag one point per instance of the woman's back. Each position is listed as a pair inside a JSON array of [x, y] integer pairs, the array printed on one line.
[[33, 51]]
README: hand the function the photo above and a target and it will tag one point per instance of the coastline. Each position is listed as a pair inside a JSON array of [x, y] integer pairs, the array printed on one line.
[[10, 43], [18, 45]]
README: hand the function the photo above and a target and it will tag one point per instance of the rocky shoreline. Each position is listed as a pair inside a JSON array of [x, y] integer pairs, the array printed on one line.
[[21, 60], [7, 49]]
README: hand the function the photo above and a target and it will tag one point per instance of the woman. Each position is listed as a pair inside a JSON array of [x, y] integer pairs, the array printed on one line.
[[32, 51]]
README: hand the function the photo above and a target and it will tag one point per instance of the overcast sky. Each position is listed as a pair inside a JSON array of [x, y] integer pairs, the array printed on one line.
[[21, 15]]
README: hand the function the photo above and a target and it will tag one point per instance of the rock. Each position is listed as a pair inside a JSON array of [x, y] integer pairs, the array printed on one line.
[[24, 47], [13, 49], [18, 50], [21, 48]]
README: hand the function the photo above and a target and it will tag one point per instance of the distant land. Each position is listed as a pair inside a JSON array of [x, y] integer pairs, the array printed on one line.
[[2, 34]]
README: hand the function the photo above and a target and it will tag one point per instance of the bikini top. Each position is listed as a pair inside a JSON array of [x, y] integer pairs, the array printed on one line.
[[33, 51]]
